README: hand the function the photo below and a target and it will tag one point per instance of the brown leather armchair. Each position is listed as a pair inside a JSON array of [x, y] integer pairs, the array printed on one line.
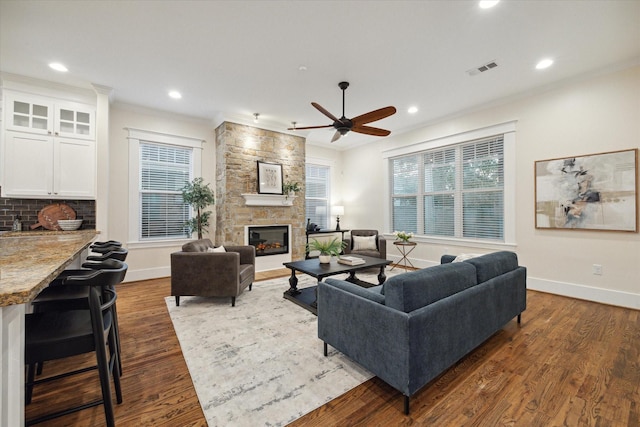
[[198, 271], [366, 242]]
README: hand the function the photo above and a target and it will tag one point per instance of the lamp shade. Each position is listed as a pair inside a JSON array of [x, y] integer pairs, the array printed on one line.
[[337, 210]]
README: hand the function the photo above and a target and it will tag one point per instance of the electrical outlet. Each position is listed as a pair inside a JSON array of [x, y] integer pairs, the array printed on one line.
[[597, 269]]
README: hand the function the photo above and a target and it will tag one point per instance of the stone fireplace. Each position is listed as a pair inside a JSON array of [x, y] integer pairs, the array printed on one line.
[[238, 149]]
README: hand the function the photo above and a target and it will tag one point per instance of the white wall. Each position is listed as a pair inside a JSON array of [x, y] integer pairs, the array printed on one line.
[[581, 117], [154, 260]]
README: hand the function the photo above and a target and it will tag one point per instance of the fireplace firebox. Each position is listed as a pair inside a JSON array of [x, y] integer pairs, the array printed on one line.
[[269, 239]]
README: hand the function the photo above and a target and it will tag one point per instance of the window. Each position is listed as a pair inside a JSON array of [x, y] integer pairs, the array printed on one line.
[[164, 170], [451, 191], [317, 194], [159, 166]]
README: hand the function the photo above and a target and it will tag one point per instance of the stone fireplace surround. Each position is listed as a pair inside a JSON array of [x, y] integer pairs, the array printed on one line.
[[238, 149]]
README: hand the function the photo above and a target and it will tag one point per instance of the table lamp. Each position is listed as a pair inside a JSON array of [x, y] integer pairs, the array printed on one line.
[[337, 211]]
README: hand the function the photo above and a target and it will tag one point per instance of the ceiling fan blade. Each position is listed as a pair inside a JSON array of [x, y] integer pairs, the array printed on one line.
[[336, 136], [325, 112], [371, 130], [373, 116], [310, 127]]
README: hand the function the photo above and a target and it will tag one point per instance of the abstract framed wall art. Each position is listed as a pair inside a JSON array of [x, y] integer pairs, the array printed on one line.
[[269, 178], [590, 192]]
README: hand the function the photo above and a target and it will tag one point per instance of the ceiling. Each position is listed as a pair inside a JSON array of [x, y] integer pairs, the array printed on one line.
[[230, 59]]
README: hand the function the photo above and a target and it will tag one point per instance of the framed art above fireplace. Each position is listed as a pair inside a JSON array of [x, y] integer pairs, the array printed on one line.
[[269, 178]]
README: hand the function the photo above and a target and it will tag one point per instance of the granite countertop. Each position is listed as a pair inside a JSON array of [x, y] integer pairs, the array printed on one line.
[[30, 260]]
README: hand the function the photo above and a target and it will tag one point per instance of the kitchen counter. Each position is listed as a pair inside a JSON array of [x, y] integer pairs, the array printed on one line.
[[30, 260]]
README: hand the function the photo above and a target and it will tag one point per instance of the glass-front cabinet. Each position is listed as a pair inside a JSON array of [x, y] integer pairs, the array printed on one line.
[[48, 149], [26, 113]]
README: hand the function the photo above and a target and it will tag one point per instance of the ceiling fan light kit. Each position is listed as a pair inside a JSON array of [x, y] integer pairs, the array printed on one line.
[[357, 124]]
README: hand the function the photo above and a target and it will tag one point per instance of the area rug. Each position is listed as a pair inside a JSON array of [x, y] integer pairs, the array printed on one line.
[[260, 363]]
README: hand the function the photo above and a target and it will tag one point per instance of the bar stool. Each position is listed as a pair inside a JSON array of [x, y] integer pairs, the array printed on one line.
[[107, 243], [56, 297], [54, 335]]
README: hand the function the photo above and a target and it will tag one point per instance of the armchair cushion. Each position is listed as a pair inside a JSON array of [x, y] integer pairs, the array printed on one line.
[[219, 249], [361, 243]]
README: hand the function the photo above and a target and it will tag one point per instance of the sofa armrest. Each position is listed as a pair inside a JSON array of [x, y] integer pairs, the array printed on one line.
[[247, 253], [446, 259], [376, 336], [382, 246], [347, 245]]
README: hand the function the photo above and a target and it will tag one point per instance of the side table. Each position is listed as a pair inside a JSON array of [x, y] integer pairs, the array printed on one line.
[[405, 248]]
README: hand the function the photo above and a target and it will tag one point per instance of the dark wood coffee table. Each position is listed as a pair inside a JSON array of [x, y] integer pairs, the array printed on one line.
[[307, 297]]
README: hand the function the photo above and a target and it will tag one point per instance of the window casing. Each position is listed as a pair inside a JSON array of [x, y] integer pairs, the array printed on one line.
[[160, 165], [452, 191], [317, 193]]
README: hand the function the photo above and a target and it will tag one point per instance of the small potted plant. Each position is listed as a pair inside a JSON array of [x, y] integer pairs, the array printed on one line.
[[402, 236], [327, 248], [198, 196], [291, 188]]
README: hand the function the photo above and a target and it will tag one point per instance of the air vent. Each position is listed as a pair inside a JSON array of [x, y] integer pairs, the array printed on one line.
[[481, 69]]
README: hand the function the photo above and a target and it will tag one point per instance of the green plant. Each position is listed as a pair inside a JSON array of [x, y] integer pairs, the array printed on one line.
[[198, 196], [327, 247], [289, 187]]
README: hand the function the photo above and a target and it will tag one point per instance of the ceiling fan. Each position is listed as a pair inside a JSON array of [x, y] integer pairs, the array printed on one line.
[[356, 124]]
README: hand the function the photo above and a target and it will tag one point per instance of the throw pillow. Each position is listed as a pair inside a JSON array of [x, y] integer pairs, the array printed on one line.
[[464, 257], [363, 243], [218, 249]]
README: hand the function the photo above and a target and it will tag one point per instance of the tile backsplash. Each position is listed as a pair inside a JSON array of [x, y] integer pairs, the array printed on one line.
[[28, 210]]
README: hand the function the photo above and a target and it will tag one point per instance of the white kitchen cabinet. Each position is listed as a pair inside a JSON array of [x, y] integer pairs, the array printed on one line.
[[49, 148], [42, 166], [49, 116]]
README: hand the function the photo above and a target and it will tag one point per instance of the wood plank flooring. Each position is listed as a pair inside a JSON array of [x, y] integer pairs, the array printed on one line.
[[570, 363]]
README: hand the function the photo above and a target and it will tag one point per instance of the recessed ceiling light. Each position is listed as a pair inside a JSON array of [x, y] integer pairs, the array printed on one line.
[[175, 94], [545, 63], [486, 4], [58, 67], [412, 110]]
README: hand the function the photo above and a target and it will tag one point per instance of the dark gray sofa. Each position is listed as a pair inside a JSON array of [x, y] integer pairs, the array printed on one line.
[[418, 324]]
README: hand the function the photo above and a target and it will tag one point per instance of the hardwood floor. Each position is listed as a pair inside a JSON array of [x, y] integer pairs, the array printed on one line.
[[570, 362]]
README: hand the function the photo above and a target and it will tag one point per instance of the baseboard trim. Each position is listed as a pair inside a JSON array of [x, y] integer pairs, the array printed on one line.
[[589, 293], [147, 274]]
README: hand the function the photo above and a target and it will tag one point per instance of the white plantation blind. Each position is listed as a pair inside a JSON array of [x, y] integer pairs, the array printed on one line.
[[164, 170], [453, 191], [317, 194]]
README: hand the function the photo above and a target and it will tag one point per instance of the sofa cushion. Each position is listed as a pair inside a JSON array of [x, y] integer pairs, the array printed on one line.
[[219, 249], [197, 246], [409, 291], [372, 294], [361, 243], [464, 257], [494, 264]]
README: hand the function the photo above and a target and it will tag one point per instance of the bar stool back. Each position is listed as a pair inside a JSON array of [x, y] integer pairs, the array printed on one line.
[[58, 334]]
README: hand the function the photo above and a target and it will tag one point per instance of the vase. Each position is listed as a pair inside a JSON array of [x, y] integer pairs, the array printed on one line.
[[325, 259]]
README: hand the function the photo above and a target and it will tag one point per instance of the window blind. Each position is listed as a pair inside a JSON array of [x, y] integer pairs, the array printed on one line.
[[317, 194], [453, 191], [164, 170]]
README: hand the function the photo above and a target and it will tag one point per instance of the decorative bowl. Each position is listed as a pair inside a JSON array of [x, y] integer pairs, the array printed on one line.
[[69, 224]]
